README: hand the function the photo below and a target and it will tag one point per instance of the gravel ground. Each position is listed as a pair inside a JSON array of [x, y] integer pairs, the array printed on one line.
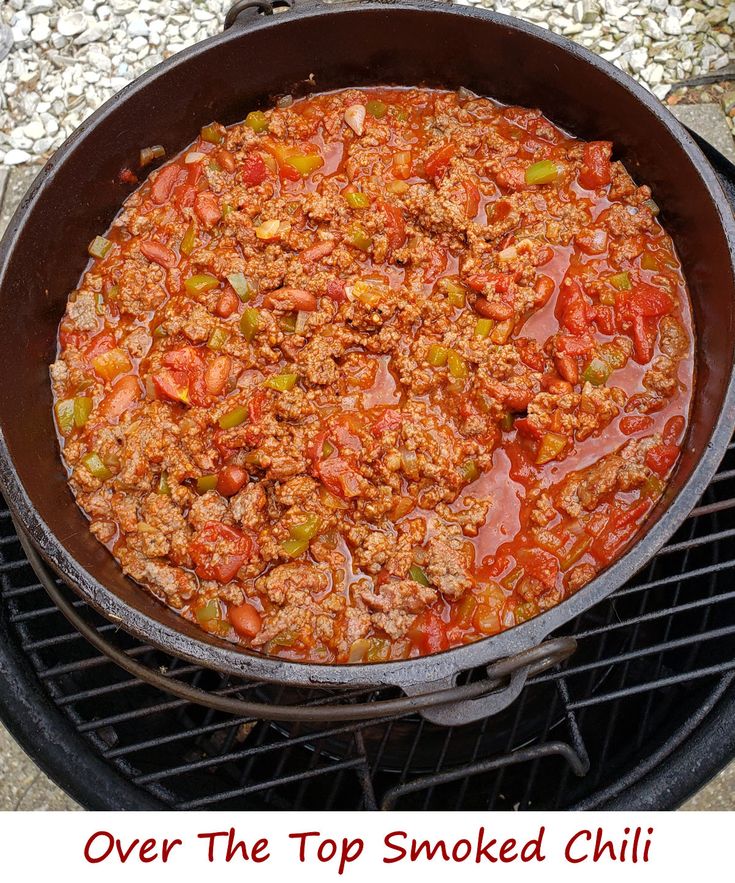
[[63, 58]]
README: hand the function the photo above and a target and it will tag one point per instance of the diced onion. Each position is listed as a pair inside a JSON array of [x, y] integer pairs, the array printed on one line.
[[355, 118], [194, 156]]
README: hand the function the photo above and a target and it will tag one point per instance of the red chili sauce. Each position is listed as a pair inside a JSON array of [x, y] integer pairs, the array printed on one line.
[[375, 373]]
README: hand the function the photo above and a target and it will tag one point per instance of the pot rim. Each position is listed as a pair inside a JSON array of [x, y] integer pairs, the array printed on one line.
[[439, 667]]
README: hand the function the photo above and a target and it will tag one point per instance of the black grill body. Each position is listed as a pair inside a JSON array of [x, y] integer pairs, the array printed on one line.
[[640, 717]]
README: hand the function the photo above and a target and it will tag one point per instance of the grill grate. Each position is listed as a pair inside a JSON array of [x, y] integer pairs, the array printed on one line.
[[651, 662]]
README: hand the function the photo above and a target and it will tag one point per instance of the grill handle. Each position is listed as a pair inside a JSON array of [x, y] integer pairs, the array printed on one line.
[[516, 669]]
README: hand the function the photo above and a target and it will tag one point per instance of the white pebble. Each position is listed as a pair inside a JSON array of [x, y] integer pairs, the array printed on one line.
[[137, 26], [34, 130], [15, 157], [71, 23]]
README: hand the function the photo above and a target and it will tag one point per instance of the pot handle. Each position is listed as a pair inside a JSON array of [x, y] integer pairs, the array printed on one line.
[[266, 7], [262, 7], [517, 669]]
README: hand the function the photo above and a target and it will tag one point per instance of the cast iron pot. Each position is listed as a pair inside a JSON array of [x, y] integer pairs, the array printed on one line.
[[318, 47]]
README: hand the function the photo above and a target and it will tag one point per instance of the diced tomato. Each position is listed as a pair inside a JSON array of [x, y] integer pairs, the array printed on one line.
[[338, 476], [165, 181], [253, 171], [501, 209], [596, 169], [631, 514], [541, 565], [185, 358], [207, 208], [395, 225], [100, 343], [573, 308], [123, 393], [531, 430], [334, 471], [69, 336], [573, 345], [245, 619], [530, 353], [219, 551], [429, 633], [632, 425], [184, 382], [389, 421], [194, 172], [255, 405], [647, 300], [336, 291], [173, 385], [158, 253], [604, 318], [184, 196], [472, 199], [619, 530], [438, 161], [643, 300], [638, 311], [644, 331], [661, 458], [231, 479], [227, 302]]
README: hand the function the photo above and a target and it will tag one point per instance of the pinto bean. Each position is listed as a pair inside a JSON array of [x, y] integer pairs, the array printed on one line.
[[158, 253], [291, 299]]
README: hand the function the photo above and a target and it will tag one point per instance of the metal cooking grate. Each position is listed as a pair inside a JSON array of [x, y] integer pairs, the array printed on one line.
[[651, 662]]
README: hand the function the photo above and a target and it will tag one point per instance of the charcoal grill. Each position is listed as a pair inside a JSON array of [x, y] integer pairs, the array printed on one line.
[[639, 717]]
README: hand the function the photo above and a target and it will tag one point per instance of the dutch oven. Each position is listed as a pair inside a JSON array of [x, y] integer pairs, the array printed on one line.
[[315, 47]]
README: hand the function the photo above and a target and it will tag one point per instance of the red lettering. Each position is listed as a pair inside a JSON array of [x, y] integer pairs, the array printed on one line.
[[235, 846], [351, 852], [88, 847], [431, 851], [125, 853], [146, 847], [483, 849], [388, 841], [326, 850], [258, 848], [168, 846], [532, 849], [567, 851], [456, 855], [601, 846], [647, 846], [302, 836], [211, 838]]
